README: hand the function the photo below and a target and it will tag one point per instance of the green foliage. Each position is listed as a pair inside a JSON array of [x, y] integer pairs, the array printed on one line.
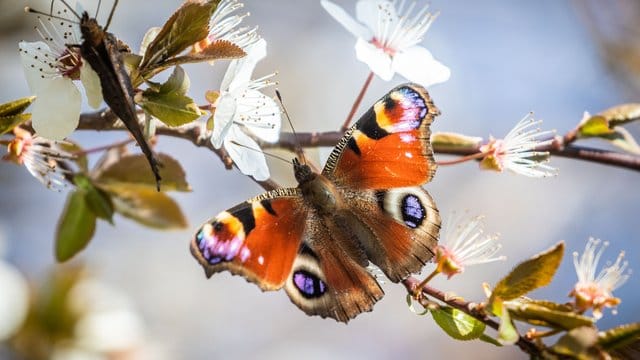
[[145, 205], [607, 126], [620, 336], [449, 141], [507, 332], [528, 275], [546, 313], [169, 102], [578, 343], [457, 324], [11, 113], [98, 201], [134, 169], [75, 227]]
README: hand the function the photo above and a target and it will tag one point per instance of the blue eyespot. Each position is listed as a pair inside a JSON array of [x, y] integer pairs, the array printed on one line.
[[413, 213], [309, 285]]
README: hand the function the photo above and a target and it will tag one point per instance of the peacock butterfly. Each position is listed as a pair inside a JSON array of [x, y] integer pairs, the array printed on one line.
[[367, 205]]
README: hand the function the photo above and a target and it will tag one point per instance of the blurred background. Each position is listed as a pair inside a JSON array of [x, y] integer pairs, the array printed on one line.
[[556, 58]]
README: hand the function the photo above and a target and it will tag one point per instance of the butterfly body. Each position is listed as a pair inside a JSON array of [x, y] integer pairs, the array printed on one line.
[[102, 51], [367, 206]]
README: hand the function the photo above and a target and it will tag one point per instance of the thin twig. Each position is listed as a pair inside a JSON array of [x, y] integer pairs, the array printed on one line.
[[356, 104], [470, 309]]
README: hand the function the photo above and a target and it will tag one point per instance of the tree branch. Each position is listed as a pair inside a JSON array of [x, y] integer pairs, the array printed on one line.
[[561, 146], [470, 309]]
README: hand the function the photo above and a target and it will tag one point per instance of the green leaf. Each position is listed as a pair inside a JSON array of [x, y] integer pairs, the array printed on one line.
[[621, 114], [549, 316], [594, 126], [529, 275], [578, 343], [16, 107], [619, 336], [99, 202], [218, 50], [507, 332], [169, 103], [146, 205], [76, 226], [622, 139], [488, 339], [449, 141], [134, 169], [8, 123], [457, 324], [188, 25]]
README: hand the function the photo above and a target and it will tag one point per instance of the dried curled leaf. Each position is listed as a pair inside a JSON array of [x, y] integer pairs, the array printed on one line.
[[218, 50]]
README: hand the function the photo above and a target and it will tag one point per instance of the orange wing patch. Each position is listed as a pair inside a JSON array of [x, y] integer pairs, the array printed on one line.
[[258, 239], [390, 145]]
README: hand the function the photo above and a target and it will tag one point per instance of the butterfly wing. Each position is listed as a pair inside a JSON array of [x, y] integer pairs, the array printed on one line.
[[379, 165], [328, 277], [400, 231], [258, 239], [390, 145]]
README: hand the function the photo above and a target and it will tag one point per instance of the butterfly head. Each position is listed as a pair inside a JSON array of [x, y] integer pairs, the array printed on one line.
[[303, 172]]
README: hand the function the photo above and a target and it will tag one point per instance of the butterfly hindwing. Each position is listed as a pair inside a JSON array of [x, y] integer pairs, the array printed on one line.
[[390, 145], [328, 276], [403, 226], [258, 239]]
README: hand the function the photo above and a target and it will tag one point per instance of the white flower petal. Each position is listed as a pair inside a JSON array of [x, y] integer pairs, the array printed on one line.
[[91, 83], [223, 118], [31, 65], [248, 157], [418, 65], [378, 61], [349, 23], [56, 111], [259, 113], [239, 71], [372, 12]]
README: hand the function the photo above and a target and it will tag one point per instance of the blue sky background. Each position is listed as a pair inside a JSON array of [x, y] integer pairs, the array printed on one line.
[[507, 58]]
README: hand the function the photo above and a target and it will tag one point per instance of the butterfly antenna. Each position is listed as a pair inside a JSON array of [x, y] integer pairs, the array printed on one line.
[[265, 153], [113, 9], [98, 8], [68, 7], [298, 148], [49, 15]]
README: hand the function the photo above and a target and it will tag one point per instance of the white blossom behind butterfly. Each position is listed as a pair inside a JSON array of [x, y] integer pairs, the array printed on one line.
[[242, 110], [51, 68], [388, 39]]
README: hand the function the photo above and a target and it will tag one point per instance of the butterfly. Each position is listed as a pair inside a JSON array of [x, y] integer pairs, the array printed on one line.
[[366, 206]]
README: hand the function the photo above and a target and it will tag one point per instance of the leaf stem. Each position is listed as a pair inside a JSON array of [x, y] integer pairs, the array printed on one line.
[[103, 148], [356, 104], [462, 159]]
